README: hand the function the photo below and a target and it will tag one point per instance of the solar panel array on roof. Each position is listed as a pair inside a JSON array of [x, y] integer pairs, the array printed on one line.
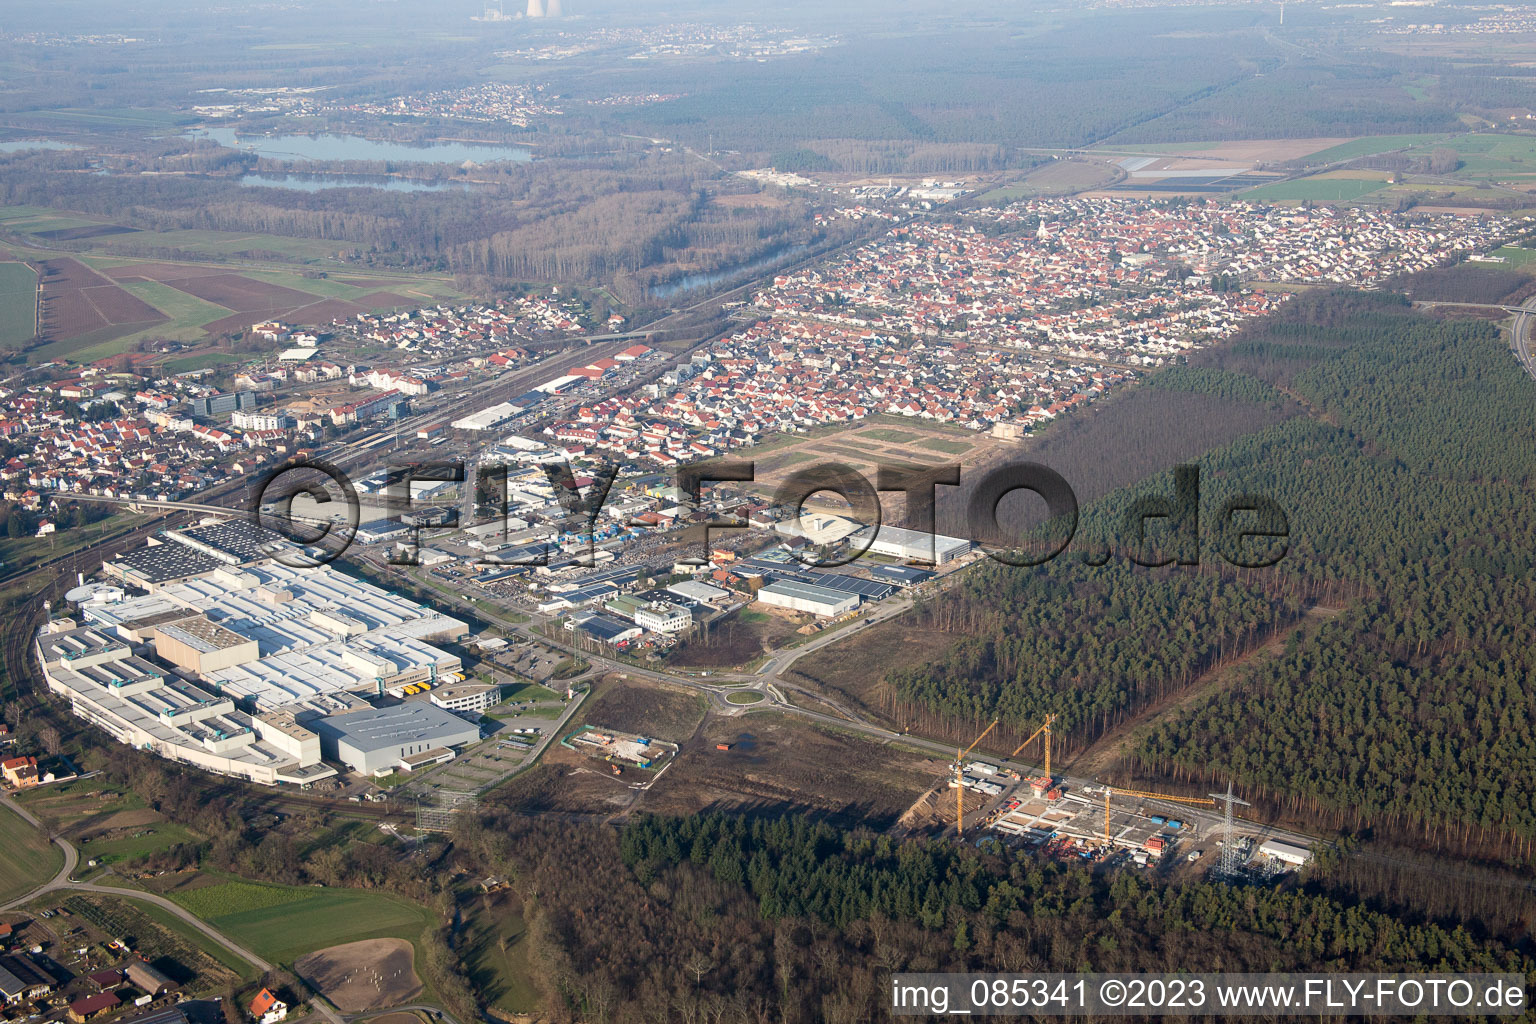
[[903, 574], [239, 539], [873, 590], [583, 595], [165, 562]]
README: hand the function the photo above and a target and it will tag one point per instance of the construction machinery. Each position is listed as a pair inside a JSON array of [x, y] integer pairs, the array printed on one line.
[[1198, 801], [1044, 730], [959, 787]]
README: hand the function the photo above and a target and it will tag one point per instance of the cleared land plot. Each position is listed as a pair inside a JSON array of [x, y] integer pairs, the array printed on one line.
[[284, 922], [852, 671], [358, 976], [782, 764], [882, 439], [18, 304], [29, 857], [628, 706], [737, 640]]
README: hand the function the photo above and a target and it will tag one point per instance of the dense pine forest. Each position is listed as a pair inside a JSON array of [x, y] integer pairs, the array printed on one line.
[[1405, 487]]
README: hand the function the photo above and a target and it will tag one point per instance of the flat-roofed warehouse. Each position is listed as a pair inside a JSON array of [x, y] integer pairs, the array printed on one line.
[[373, 741], [916, 546], [807, 597]]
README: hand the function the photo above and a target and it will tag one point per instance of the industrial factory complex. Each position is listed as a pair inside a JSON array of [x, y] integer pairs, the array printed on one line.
[[234, 662]]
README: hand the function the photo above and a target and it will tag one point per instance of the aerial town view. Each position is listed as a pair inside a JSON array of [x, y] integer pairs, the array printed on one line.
[[601, 512]]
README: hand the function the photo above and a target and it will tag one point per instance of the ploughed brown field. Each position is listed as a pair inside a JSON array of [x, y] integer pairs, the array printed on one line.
[[78, 301]]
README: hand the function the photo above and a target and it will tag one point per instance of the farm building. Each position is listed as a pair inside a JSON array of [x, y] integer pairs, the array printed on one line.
[[147, 979], [92, 1006]]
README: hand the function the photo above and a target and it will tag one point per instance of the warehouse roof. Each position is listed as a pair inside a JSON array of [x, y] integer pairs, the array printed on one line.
[[202, 635], [233, 541], [165, 562], [807, 592], [411, 722]]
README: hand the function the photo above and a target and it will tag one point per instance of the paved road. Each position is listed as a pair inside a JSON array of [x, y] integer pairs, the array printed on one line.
[[1522, 336], [63, 881]]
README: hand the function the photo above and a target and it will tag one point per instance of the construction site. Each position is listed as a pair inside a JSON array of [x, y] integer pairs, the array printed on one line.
[[1098, 822], [622, 750]]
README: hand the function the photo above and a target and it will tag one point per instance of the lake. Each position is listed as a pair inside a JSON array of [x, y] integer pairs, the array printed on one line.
[[353, 147], [317, 184], [17, 147]]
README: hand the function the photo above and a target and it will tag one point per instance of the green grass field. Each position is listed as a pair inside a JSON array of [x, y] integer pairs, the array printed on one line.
[[1336, 190], [159, 836], [751, 697], [284, 922], [1369, 146], [1515, 256], [18, 304], [1490, 154], [496, 959], [882, 434], [30, 857]]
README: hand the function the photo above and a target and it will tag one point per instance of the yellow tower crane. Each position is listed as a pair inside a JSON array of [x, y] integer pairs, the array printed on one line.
[[959, 789], [1046, 730], [1198, 801]]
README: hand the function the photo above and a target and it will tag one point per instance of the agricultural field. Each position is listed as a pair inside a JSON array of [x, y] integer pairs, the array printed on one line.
[[1323, 188], [82, 309], [1234, 150], [18, 304], [1370, 145], [284, 922], [1055, 177], [101, 302], [32, 859]]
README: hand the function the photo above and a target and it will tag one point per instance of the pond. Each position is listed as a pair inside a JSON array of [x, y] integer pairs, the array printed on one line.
[[318, 184]]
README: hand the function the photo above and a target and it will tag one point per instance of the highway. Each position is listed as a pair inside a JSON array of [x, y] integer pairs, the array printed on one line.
[[1521, 335]]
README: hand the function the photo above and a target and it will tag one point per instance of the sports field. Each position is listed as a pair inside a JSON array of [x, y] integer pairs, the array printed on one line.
[[282, 922], [18, 304]]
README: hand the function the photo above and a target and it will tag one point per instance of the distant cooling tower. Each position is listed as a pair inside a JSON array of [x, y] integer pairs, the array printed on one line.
[[553, 10], [535, 8]]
